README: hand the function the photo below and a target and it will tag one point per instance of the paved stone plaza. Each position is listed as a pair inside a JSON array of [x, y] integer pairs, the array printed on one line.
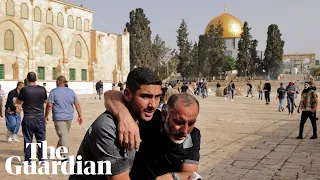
[[243, 139]]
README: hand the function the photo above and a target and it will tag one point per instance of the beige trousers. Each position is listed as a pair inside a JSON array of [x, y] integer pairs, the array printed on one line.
[[62, 128]]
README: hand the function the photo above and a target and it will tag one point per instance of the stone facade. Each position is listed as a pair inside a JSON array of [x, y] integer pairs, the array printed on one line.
[[52, 37]]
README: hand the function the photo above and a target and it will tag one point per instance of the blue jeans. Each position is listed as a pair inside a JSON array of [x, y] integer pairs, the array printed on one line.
[[290, 103], [13, 122], [281, 103]]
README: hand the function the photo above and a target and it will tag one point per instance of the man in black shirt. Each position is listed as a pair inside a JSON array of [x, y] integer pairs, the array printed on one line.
[[184, 87], [170, 142], [33, 98], [281, 92], [267, 91]]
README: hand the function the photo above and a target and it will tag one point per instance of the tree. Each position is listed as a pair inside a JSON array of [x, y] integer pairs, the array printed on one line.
[[159, 53], [230, 64], [274, 52], [244, 61], [257, 63], [140, 39], [194, 65], [215, 57], [184, 47]]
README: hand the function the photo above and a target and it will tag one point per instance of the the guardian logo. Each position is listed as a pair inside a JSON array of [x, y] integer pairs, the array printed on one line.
[[51, 167]]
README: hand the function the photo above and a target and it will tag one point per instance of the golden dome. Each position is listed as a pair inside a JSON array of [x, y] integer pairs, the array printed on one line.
[[232, 26]]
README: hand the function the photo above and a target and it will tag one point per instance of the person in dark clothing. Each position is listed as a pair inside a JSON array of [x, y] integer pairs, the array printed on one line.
[[12, 114], [99, 88], [250, 89], [164, 90], [184, 88], [281, 93], [308, 105], [267, 91], [291, 92], [32, 98]]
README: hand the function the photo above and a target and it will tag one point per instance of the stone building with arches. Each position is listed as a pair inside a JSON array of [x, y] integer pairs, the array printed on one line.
[[52, 38]]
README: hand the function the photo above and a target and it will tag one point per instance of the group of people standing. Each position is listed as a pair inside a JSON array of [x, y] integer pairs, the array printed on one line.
[[32, 99]]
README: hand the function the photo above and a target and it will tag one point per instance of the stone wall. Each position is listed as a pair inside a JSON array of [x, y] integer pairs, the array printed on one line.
[[31, 23]]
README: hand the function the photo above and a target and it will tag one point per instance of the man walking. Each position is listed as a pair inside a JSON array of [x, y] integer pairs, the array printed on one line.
[[267, 91], [260, 90], [281, 92], [61, 101], [250, 89], [99, 88], [33, 98], [12, 114], [291, 92], [308, 105]]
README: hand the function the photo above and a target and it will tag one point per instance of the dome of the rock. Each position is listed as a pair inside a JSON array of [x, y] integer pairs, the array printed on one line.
[[232, 26]]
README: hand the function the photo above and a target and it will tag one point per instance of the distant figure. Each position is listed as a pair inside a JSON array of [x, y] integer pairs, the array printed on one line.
[[2, 95], [99, 88], [267, 91], [281, 93], [260, 90]]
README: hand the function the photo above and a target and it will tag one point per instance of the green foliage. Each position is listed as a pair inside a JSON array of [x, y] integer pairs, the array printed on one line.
[[230, 64], [274, 52], [314, 70], [140, 39], [212, 58], [257, 63], [159, 53], [244, 60], [185, 47]]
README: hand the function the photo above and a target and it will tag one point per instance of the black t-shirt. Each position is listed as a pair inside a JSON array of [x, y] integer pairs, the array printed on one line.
[[33, 97], [158, 155], [281, 92], [184, 88], [164, 90]]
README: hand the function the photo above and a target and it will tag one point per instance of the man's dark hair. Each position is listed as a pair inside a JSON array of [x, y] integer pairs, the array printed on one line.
[[141, 76], [19, 83], [32, 77]]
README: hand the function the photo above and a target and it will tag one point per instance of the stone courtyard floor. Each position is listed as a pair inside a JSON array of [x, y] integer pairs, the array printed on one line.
[[243, 139]]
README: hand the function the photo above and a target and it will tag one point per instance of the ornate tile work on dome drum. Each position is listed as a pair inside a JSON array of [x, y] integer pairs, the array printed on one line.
[[8, 40]]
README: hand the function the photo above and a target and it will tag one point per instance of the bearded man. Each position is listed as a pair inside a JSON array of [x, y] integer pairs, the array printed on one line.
[[170, 143]]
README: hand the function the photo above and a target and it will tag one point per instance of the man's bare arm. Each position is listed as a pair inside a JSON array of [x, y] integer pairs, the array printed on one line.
[[128, 130], [78, 108], [48, 109]]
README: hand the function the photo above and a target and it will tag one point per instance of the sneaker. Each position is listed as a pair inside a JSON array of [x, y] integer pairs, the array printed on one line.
[[42, 163], [9, 140], [28, 163], [15, 138], [9, 134], [299, 137]]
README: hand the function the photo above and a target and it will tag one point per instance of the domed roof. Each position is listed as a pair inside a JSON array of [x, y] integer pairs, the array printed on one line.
[[232, 26]]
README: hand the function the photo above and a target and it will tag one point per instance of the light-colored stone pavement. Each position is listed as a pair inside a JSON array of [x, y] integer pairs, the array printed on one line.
[[243, 139]]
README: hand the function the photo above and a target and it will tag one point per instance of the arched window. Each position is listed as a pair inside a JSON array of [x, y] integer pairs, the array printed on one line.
[[10, 8], [70, 22], [37, 14], [48, 45], [86, 25], [79, 24], [8, 40], [24, 11], [78, 49], [49, 17], [60, 20]]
